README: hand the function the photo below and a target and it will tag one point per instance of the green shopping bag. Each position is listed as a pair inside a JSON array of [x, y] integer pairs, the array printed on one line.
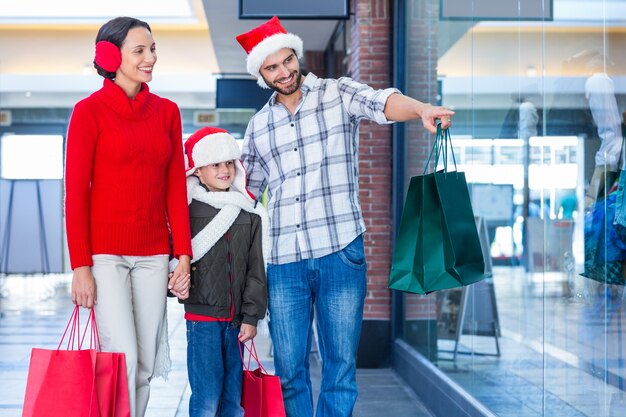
[[438, 245]]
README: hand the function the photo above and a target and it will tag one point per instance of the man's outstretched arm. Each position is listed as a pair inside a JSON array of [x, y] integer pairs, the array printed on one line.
[[401, 108]]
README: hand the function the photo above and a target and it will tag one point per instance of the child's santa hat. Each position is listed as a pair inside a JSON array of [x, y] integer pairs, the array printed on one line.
[[263, 41], [212, 145]]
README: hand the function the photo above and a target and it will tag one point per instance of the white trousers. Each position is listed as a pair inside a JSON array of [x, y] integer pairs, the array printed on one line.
[[131, 296]]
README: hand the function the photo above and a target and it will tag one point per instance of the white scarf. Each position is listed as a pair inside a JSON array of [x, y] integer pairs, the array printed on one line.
[[230, 203]]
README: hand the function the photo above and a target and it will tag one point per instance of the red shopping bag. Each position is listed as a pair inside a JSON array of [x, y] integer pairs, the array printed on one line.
[[261, 394], [111, 378], [62, 383], [77, 382], [112, 384]]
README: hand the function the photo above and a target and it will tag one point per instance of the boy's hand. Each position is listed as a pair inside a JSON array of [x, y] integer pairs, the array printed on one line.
[[246, 332], [179, 281], [182, 295]]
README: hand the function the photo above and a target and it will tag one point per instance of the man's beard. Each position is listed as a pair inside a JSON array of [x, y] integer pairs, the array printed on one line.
[[291, 89]]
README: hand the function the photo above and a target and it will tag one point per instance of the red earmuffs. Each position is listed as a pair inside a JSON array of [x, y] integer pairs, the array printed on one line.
[[108, 56]]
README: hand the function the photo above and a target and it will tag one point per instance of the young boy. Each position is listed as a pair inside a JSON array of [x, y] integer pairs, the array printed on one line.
[[228, 293]]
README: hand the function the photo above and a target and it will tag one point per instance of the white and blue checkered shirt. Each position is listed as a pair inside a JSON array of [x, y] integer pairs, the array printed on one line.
[[309, 162]]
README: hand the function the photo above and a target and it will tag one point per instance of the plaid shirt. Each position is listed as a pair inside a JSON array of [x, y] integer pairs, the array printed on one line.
[[309, 162]]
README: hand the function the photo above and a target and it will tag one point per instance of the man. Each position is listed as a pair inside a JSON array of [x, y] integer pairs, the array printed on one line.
[[303, 145]]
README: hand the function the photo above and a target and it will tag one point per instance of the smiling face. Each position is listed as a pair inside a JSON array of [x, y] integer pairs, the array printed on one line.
[[138, 59], [217, 177], [281, 72]]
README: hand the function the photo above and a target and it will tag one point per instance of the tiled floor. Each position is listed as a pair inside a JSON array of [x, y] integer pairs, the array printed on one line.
[[562, 355], [35, 310]]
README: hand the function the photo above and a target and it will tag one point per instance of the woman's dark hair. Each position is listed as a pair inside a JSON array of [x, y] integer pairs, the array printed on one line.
[[115, 31]]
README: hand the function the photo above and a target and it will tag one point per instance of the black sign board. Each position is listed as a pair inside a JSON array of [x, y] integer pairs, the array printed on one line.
[[240, 93]]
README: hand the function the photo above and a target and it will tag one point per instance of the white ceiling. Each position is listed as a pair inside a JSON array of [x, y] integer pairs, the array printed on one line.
[[80, 11], [224, 25]]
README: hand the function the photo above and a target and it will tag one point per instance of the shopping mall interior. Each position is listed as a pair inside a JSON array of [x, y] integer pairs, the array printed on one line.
[[539, 93]]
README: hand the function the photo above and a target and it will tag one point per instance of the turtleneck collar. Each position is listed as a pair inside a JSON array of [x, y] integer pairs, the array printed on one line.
[[139, 108]]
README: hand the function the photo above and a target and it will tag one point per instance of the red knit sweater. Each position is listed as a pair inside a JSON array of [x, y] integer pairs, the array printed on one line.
[[125, 177]]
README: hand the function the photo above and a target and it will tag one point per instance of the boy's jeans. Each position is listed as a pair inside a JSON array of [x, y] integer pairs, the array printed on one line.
[[214, 368], [335, 284]]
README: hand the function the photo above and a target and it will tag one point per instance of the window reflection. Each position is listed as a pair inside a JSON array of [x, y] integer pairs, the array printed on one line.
[[540, 109]]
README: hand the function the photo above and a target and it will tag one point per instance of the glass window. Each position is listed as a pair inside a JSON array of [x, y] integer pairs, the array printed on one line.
[[540, 107]]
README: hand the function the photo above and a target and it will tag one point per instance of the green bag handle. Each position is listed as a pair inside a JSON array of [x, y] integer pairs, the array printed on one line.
[[440, 147]]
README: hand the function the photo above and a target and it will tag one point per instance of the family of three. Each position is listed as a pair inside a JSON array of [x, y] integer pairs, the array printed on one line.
[[135, 196]]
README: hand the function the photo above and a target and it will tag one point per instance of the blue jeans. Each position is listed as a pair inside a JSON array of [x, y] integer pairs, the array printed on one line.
[[335, 286], [214, 368]]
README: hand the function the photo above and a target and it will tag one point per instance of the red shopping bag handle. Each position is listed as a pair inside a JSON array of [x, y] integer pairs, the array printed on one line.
[[73, 325], [252, 355], [94, 334], [74, 338]]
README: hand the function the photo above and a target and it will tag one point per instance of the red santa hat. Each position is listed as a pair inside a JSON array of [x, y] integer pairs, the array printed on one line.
[[212, 145], [263, 41]]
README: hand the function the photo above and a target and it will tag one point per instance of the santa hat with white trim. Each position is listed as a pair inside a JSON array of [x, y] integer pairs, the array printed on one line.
[[264, 40], [212, 145]]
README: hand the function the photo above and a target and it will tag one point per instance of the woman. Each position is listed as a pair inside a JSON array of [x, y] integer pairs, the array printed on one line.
[[125, 191]]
